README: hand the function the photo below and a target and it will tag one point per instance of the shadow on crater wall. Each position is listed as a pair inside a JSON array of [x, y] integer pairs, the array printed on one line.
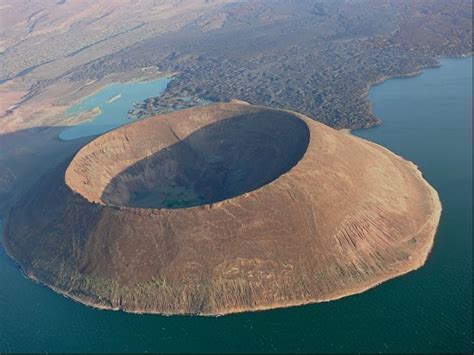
[[219, 161]]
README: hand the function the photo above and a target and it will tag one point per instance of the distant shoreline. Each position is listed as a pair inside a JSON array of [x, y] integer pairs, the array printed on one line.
[[418, 71]]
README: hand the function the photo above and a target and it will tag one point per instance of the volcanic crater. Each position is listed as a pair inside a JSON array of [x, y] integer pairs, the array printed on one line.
[[223, 208], [216, 162]]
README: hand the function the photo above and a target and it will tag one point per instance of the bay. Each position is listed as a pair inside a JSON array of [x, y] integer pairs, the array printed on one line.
[[111, 105]]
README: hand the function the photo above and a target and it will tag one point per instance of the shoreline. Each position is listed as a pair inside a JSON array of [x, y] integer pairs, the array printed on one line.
[[381, 80], [428, 229], [418, 71], [362, 288], [160, 75], [56, 105], [337, 295], [89, 116]]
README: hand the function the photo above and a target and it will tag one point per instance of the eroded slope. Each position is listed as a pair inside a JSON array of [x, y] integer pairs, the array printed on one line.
[[349, 215]]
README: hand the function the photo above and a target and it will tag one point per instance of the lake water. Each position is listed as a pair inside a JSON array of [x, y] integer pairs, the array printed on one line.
[[112, 104], [427, 119]]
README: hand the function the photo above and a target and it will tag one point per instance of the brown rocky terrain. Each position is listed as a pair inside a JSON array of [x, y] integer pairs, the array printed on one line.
[[285, 211], [318, 58], [314, 57]]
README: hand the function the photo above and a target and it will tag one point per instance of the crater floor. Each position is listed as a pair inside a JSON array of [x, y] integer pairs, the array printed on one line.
[[223, 208]]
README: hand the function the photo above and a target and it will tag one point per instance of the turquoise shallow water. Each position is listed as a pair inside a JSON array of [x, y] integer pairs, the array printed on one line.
[[427, 119], [114, 101]]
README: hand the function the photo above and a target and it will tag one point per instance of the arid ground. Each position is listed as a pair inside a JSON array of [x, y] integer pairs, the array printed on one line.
[[286, 211]]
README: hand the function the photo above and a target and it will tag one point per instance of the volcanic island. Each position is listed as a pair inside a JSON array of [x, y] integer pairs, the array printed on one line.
[[223, 208]]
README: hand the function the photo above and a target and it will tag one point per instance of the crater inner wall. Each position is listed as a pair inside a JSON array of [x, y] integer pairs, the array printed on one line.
[[186, 159]]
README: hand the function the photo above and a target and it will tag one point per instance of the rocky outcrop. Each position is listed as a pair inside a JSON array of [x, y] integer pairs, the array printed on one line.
[[285, 211]]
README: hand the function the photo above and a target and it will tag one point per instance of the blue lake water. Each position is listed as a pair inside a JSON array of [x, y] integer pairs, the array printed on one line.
[[427, 119], [113, 101]]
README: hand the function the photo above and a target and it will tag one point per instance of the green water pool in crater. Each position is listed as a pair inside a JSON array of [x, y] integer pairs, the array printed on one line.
[[427, 119]]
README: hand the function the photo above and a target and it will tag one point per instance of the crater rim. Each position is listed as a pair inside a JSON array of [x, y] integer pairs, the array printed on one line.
[[248, 110]]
